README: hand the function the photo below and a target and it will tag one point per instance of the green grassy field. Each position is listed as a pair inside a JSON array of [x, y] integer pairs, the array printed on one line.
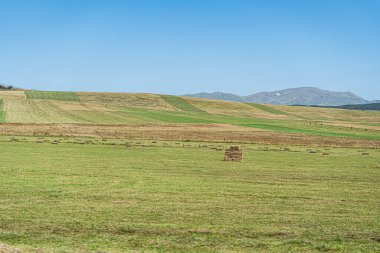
[[181, 197], [181, 104], [267, 109], [117, 195], [265, 124]]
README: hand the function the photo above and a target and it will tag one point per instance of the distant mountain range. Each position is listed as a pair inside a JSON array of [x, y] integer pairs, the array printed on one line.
[[294, 96]]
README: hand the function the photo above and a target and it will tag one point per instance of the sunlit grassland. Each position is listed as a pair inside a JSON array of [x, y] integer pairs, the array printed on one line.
[[228, 108], [53, 95], [181, 104], [182, 197], [133, 100], [81, 194], [134, 108], [266, 124], [321, 114], [267, 108], [2, 113]]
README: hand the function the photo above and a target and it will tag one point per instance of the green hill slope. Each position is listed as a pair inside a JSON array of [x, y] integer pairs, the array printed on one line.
[[134, 108]]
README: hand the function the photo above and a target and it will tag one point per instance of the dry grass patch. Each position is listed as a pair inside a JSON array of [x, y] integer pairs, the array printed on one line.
[[352, 125], [34, 111], [97, 107], [52, 95], [50, 111], [183, 132], [18, 94], [135, 100], [315, 113], [77, 106]]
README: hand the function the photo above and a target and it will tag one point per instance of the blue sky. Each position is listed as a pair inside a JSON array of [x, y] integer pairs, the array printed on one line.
[[178, 46]]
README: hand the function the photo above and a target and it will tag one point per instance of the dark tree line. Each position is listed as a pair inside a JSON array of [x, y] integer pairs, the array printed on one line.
[[6, 87], [369, 106]]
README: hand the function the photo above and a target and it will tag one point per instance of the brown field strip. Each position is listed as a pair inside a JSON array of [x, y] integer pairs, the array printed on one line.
[[135, 100], [352, 125], [315, 113], [183, 132]]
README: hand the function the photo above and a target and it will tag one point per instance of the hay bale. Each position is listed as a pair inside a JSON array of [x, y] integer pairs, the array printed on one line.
[[233, 153]]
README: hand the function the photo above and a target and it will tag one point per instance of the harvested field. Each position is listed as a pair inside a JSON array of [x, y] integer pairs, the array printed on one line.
[[236, 109], [268, 108], [34, 111], [133, 100], [353, 125], [95, 196], [106, 172], [52, 95], [181, 104], [193, 132], [14, 94], [321, 114]]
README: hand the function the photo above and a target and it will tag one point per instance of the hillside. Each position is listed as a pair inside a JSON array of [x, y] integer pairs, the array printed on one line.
[[135, 109], [295, 96], [217, 96]]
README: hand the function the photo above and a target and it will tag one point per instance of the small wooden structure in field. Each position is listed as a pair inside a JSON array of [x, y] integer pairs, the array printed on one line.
[[234, 153]]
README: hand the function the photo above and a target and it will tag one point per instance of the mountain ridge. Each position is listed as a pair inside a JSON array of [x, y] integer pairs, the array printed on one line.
[[291, 96]]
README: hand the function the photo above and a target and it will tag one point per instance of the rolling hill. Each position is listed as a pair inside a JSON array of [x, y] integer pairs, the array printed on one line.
[[294, 96], [136, 109]]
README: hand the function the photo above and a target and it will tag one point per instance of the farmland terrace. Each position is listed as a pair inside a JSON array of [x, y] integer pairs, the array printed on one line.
[[150, 116]]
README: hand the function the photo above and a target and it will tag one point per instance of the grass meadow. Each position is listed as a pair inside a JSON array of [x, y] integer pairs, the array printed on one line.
[[181, 104], [102, 195], [130, 186]]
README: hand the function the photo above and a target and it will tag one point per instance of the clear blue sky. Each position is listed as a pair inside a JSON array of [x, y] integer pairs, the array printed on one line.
[[188, 46]]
